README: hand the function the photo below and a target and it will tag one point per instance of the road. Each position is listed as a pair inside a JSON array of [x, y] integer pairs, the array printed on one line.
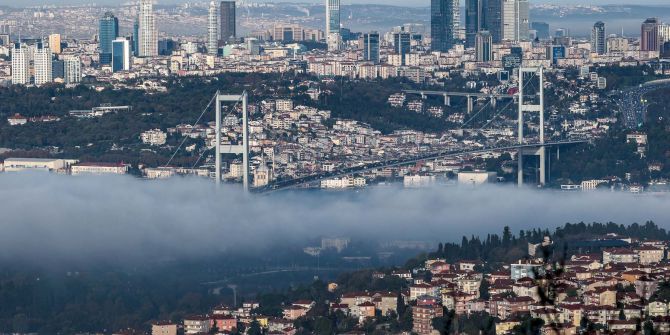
[[280, 185], [632, 106]]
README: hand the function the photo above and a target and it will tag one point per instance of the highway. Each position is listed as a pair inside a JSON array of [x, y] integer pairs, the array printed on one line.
[[281, 185], [633, 109]]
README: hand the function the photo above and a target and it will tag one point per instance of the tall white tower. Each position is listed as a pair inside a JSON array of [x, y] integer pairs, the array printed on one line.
[[213, 29], [20, 65], [72, 67], [148, 35], [43, 69], [333, 25]]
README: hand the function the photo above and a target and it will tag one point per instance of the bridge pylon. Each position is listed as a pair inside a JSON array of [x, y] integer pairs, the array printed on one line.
[[532, 106], [239, 149]]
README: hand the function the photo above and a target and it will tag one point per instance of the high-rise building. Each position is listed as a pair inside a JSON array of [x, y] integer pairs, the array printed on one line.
[[441, 25], [72, 69], [484, 46], [58, 69], [20, 64], [333, 25], [288, 32], [228, 24], [371, 47], [136, 37], [402, 43], [54, 43], [120, 54], [109, 31], [541, 29], [475, 19], [598, 38], [494, 20], [42, 64], [213, 29], [650, 35], [664, 32], [148, 35], [515, 20], [456, 20], [4, 39]]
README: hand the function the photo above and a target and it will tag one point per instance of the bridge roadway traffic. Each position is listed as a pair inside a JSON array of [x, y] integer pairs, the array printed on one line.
[[632, 108], [281, 185]]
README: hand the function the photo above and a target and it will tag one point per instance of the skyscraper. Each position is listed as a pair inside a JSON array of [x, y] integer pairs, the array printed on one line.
[[493, 19], [371, 47], [213, 29], [402, 43], [120, 54], [20, 64], [515, 20], [228, 24], [54, 43], [42, 62], [456, 19], [109, 30], [598, 40], [136, 37], [475, 11], [650, 36], [441, 25], [148, 35], [484, 46], [72, 69], [541, 28], [333, 25]]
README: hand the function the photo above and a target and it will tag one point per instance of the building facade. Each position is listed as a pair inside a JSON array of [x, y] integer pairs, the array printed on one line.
[[109, 31], [228, 21], [120, 55], [333, 25], [213, 29], [598, 38], [441, 25], [147, 33]]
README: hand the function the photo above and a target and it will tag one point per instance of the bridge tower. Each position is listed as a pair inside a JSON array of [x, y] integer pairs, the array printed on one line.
[[531, 103], [239, 149]]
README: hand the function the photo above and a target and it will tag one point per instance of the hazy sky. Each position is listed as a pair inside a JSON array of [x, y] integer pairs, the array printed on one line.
[[391, 2]]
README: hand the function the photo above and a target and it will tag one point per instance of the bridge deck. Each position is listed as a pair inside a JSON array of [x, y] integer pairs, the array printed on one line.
[[399, 162]]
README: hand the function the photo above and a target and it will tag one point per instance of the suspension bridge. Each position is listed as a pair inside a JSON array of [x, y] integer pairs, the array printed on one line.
[[528, 102]]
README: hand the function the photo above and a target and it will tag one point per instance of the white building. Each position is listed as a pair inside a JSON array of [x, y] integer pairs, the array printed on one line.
[[418, 181], [41, 164], [154, 137], [476, 177], [148, 35], [72, 66], [99, 168], [20, 64], [43, 70], [213, 29], [344, 182], [284, 105], [159, 172]]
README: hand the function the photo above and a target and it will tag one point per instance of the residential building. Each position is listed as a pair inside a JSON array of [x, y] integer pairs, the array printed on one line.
[[164, 328], [42, 61], [20, 64], [72, 69], [55, 44], [426, 309]]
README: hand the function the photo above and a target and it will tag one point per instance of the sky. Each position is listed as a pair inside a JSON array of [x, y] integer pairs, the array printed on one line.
[[49, 217], [390, 2]]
